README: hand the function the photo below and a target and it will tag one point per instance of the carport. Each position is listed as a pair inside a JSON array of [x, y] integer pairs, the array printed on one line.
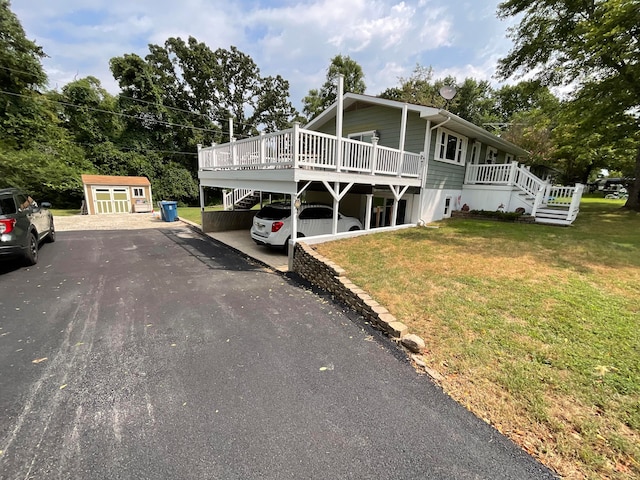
[[297, 161]]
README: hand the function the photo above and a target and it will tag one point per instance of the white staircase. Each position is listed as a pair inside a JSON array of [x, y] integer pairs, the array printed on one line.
[[555, 205], [240, 199]]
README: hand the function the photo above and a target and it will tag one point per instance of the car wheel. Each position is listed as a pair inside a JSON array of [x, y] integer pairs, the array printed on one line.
[[51, 237], [31, 255], [285, 247]]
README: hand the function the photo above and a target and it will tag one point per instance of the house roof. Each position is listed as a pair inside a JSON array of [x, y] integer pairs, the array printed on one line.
[[435, 115], [114, 180]]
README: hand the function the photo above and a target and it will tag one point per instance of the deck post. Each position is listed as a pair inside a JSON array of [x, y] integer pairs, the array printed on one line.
[[367, 215], [336, 206], [575, 201], [512, 173], [262, 152], [374, 154], [403, 135], [233, 152], [296, 143], [394, 212], [538, 201], [339, 115], [294, 230], [467, 173], [295, 203]]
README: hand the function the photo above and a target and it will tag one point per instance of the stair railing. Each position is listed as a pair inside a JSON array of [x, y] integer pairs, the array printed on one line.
[[231, 197]]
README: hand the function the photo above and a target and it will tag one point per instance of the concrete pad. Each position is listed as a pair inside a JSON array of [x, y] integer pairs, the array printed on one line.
[[241, 240]]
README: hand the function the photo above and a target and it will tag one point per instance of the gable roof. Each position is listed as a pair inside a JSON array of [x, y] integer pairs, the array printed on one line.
[[114, 180], [436, 115]]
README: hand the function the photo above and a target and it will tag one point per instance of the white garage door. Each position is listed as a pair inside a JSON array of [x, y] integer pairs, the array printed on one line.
[[111, 200]]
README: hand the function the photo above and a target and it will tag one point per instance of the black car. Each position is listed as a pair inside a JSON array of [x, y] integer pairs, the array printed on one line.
[[23, 225]]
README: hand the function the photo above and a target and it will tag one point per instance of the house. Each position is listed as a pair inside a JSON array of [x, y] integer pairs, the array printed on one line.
[[114, 194], [393, 164]]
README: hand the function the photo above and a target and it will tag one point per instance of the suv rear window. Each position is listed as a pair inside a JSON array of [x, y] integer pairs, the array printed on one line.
[[314, 213], [7, 206], [273, 213]]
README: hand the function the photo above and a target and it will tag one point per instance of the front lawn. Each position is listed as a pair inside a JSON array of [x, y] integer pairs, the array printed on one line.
[[535, 328], [193, 213]]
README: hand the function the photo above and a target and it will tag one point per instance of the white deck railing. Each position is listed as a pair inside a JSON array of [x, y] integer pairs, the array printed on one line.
[[541, 194], [300, 148], [561, 199]]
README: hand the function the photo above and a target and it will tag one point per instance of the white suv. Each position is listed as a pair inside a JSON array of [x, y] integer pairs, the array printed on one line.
[[272, 224]]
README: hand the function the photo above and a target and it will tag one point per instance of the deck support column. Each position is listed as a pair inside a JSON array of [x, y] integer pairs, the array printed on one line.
[[336, 207], [294, 229], [367, 215], [339, 115], [397, 195]]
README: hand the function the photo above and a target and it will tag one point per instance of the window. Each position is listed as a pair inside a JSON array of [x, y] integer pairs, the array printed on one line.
[[450, 147], [447, 207], [7, 206], [364, 136], [138, 192], [316, 213]]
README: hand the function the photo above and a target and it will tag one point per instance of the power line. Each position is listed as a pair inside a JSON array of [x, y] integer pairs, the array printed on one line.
[[161, 122], [121, 95], [136, 149]]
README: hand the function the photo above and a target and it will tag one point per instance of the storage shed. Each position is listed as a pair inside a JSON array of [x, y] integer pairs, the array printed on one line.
[[113, 194]]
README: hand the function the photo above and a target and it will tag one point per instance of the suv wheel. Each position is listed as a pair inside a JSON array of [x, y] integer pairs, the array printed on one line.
[[51, 237], [31, 255]]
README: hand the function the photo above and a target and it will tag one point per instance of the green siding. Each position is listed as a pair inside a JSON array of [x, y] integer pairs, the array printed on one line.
[[387, 122], [442, 175]]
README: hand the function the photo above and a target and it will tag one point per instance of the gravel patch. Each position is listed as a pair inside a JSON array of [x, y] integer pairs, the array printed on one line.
[[124, 221]]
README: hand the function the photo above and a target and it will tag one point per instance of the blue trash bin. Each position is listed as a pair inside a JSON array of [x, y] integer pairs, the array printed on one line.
[[169, 211]]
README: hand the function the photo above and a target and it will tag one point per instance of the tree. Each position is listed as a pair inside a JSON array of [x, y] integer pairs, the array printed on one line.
[[528, 112], [473, 100], [182, 94], [88, 111], [21, 74], [319, 99], [592, 45]]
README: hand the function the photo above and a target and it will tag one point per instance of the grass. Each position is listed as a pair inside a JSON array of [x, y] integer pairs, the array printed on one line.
[[193, 213], [189, 213], [59, 212], [535, 328]]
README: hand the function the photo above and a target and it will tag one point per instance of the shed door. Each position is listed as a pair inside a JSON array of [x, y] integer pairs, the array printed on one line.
[[111, 200]]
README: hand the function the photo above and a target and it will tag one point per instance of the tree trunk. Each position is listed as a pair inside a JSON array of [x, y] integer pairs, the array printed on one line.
[[633, 202]]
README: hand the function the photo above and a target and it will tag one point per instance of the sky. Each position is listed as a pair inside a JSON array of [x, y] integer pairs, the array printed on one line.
[[293, 38]]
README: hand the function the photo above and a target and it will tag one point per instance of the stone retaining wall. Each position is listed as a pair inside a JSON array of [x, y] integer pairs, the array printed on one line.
[[325, 274]]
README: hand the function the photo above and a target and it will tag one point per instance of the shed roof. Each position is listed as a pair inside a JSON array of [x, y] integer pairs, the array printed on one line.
[[114, 180]]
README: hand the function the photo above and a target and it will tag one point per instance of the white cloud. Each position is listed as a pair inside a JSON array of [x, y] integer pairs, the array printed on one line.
[[293, 38]]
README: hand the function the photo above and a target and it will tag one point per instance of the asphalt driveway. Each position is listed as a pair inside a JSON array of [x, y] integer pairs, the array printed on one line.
[[159, 354]]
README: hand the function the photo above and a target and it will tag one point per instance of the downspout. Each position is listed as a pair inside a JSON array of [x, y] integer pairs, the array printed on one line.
[[427, 147]]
